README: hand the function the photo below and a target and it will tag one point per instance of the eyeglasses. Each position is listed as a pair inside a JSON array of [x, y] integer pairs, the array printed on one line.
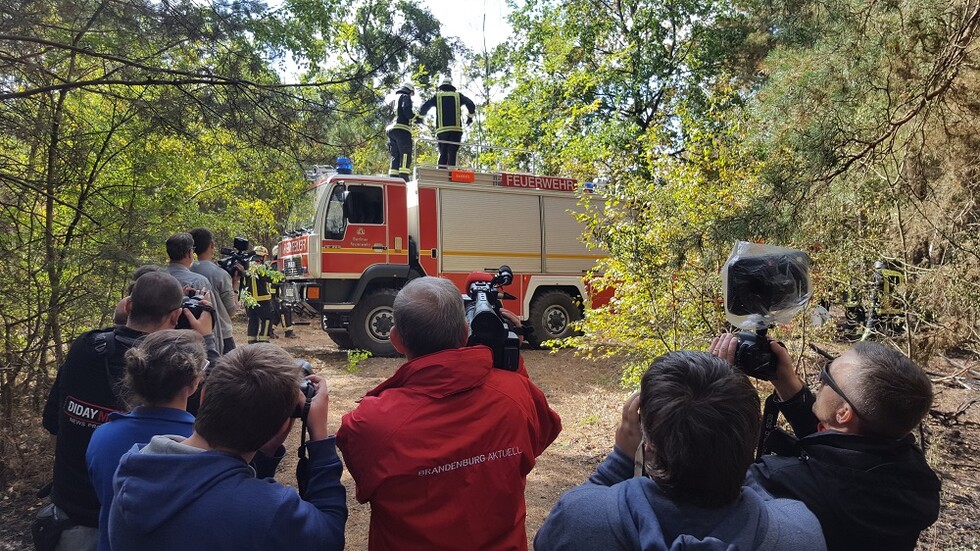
[[825, 378]]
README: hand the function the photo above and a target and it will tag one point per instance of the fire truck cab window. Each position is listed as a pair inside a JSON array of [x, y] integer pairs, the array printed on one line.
[[364, 205], [335, 224]]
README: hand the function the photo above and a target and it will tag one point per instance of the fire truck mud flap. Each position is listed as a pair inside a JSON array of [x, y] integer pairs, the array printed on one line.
[[552, 314], [371, 322]]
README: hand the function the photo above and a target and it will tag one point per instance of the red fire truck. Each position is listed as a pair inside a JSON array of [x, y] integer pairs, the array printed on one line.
[[353, 241]]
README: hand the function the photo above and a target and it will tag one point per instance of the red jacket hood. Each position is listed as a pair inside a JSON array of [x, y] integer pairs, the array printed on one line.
[[443, 373]]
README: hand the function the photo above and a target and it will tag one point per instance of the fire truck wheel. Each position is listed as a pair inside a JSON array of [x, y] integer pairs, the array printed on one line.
[[551, 315], [371, 322]]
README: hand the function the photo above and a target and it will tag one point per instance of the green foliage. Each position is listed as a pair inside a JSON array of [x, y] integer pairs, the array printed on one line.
[[124, 122], [355, 357]]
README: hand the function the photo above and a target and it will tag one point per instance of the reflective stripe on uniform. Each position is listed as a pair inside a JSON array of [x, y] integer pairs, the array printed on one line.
[[457, 109]]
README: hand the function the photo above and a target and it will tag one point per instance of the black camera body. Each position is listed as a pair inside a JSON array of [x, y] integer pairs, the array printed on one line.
[[196, 307], [754, 355], [487, 326], [308, 389], [238, 255], [763, 288]]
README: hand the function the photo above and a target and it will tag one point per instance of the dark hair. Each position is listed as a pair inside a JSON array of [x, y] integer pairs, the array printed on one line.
[[155, 295], [202, 239], [162, 364], [179, 246], [701, 418], [429, 315], [140, 272], [894, 394], [248, 395]]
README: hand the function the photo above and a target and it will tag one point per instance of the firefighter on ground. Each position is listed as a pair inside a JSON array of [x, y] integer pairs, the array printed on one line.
[[282, 314], [449, 119], [257, 296], [400, 132]]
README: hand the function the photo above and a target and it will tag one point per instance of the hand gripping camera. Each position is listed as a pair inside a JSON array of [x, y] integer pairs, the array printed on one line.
[[763, 285], [487, 326], [196, 307], [238, 255]]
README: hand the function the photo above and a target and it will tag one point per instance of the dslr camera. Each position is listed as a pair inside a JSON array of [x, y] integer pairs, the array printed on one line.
[[763, 285], [308, 389], [237, 255], [194, 304], [487, 326]]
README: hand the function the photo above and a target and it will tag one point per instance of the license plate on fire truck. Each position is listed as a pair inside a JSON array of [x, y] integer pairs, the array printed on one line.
[[290, 293]]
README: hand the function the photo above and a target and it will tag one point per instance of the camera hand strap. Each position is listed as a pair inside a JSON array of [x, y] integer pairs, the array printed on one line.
[[302, 465], [770, 417]]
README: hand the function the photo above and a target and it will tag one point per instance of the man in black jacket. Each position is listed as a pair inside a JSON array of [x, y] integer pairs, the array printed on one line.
[[449, 119], [400, 133], [856, 464], [86, 392]]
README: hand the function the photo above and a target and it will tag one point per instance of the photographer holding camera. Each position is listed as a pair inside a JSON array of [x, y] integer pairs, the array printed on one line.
[[855, 463], [180, 250], [223, 284], [199, 493], [442, 448], [85, 394], [675, 478]]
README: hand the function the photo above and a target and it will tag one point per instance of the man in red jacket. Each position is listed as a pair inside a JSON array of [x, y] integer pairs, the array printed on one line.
[[442, 448]]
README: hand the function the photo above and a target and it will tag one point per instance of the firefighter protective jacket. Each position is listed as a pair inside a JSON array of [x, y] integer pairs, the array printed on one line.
[[441, 450], [449, 104], [405, 116]]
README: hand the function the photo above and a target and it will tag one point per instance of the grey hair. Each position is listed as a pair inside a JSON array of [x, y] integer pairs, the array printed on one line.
[[429, 315]]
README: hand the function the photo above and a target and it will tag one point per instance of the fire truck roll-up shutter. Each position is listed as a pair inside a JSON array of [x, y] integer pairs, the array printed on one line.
[[564, 250], [490, 229]]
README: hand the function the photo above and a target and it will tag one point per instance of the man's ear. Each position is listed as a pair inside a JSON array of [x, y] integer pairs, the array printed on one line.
[[844, 415], [175, 317], [396, 340], [128, 305]]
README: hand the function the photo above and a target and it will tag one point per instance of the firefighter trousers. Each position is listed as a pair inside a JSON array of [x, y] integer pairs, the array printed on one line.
[[259, 322], [400, 147], [448, 146]]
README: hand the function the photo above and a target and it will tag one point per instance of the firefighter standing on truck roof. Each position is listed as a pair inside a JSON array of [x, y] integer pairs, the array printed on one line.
[[400, 132], [449, 119], [257, 296]]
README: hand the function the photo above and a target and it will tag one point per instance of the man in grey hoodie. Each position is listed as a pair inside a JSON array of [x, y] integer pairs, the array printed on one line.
[[675, 478], [201, 493]]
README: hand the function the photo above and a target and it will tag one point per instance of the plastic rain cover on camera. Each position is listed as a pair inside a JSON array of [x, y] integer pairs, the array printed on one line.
[[764, 285]]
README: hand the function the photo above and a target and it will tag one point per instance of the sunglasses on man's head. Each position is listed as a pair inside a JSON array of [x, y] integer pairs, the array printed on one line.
[[826, 379]]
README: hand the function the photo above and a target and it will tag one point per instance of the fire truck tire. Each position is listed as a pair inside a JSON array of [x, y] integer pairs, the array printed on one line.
[[341, 339], [551, 315], [371, 323]]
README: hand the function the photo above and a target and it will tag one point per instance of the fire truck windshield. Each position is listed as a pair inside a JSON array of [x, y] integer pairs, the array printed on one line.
[[303, 213]]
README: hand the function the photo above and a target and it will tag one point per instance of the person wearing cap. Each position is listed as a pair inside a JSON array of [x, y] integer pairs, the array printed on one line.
[[449, 119], [400, 132], [257, 296]]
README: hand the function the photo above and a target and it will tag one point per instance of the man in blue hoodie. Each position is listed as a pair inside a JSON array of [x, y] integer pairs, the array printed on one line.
[[200, 493], [675, 478]]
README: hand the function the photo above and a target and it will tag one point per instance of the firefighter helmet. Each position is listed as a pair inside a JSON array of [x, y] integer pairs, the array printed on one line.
[[446, 81], [259, 250], [407, 87]]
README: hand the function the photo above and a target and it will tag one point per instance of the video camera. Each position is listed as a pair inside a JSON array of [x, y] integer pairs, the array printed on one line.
[[763, 285], [194, 304], [238, 255], [487, 326]]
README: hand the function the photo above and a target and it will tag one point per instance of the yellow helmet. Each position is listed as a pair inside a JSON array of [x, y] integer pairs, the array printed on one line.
[[259, 250]]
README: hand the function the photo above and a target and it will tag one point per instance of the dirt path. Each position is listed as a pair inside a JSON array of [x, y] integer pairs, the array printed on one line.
[[588, 397]]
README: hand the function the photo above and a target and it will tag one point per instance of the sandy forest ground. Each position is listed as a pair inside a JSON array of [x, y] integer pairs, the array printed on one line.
[[586, 394]]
